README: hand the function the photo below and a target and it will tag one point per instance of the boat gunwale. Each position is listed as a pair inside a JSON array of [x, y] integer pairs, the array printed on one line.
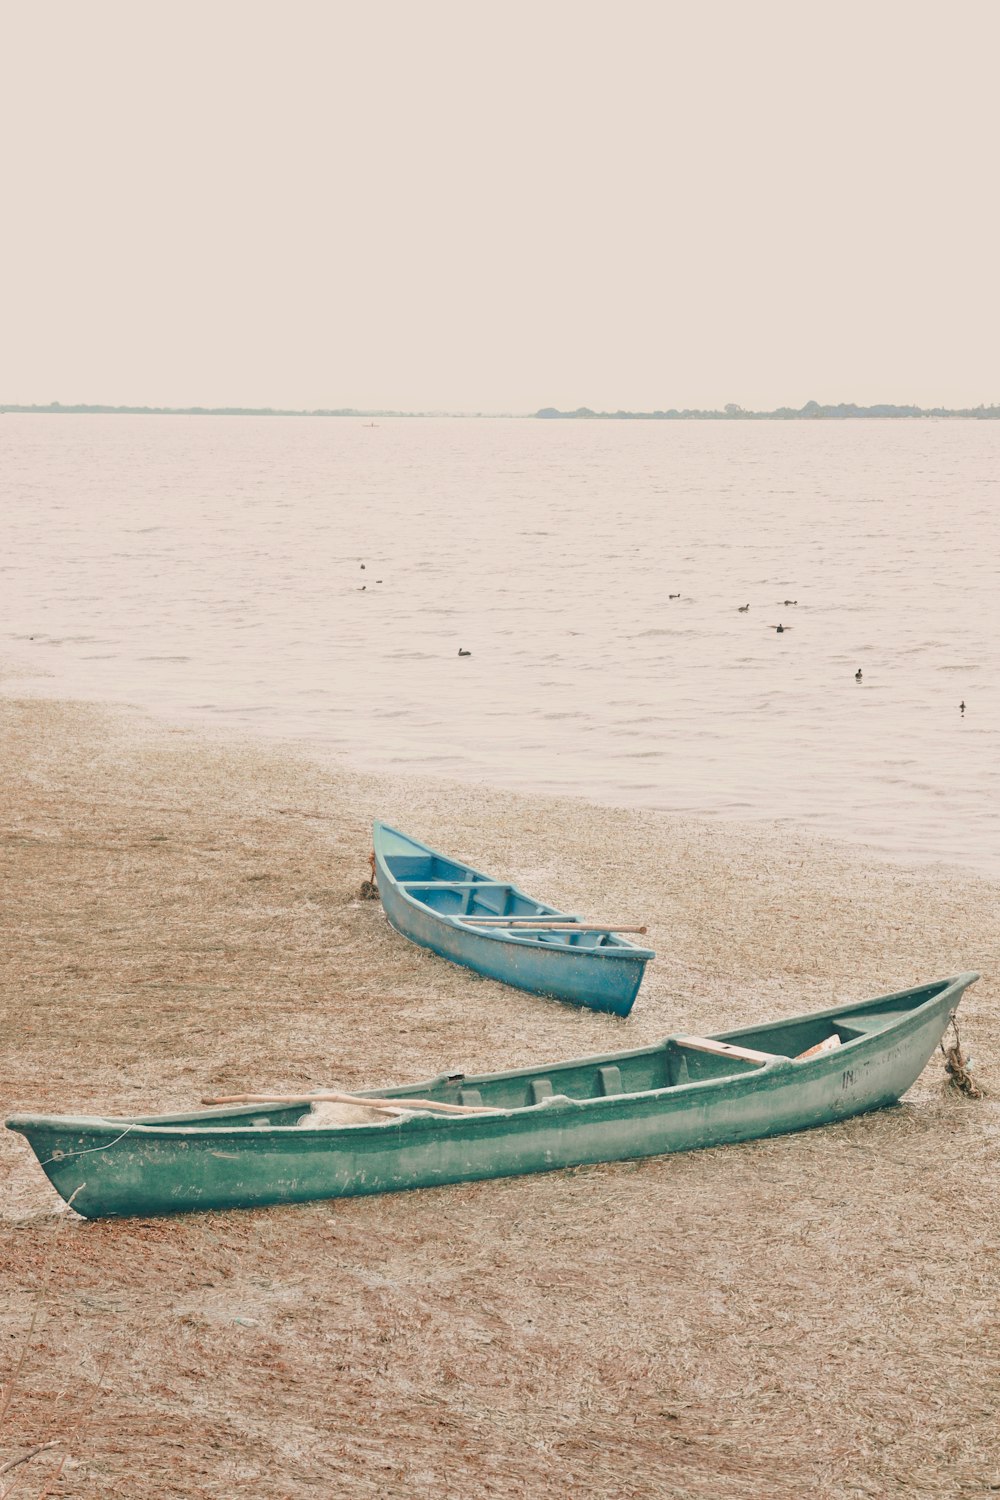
[[199, 1123], [460, 921]]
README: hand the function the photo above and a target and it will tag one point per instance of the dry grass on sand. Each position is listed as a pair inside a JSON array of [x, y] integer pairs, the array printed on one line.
[[805, 1316]]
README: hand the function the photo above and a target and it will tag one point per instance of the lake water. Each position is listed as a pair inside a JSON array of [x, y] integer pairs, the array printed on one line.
[[210, 569]]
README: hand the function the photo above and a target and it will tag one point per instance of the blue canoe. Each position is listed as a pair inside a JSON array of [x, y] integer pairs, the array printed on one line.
[[435, 901]]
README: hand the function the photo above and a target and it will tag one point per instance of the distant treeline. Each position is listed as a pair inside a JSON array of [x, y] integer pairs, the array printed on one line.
[[731, 413], [59, 409], [810, 412]]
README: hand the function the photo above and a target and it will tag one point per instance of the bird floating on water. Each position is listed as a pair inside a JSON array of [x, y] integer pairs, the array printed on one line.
[[962, 705], [464, 653], [673, 596], [789, 601], [780, 628], [857, 675], [743, 608]]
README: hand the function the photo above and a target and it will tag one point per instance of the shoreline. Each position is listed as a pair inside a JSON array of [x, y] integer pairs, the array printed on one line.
[[181, 915], [45, 689]]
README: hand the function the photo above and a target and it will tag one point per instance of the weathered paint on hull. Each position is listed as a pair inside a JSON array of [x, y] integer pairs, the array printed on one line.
[[159, 1168], [605, 983], [605, 979]]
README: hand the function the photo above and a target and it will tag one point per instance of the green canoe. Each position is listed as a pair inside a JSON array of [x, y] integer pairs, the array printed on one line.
[[684, 1093]]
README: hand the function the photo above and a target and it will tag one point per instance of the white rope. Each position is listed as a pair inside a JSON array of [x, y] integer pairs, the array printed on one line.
[[84, 1150]]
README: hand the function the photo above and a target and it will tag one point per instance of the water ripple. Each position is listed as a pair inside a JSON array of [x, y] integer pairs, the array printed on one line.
[[549, 551]]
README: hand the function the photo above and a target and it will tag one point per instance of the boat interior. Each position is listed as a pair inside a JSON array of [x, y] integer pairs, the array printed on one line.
[[453, 890], [669, 1064]]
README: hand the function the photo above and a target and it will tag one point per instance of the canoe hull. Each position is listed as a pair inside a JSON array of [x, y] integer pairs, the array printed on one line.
[[111, 1168], [599, 983], [605, 979]]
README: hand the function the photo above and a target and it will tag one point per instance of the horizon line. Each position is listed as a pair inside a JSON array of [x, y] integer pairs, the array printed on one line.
[[731, 412]]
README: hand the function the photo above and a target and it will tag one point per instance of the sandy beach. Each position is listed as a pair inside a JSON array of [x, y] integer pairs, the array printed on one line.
[[807, 1315]]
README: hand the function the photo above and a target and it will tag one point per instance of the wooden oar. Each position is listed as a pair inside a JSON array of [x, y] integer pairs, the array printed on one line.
[[383, 1104], [523, 926]]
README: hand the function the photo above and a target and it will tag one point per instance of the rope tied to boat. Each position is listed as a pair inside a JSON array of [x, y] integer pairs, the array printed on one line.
[[369, 888], [85, 1151], [956, 1064]]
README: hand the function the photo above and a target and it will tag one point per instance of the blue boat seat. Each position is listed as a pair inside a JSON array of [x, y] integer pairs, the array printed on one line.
[[453, 885], [863, 1024], [469, 1096], [610, 1079], [540, 1088], [678, 1071]]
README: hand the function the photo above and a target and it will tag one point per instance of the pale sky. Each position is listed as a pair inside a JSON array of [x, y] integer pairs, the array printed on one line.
[[495, 207]]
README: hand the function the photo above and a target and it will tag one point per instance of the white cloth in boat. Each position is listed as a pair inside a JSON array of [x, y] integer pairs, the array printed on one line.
[[325, 1112]]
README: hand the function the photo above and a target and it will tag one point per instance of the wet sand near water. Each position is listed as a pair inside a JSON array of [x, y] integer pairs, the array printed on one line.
[[807, 1315]]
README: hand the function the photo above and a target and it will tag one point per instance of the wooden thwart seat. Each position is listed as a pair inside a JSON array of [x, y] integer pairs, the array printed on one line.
[[725, 1049]]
